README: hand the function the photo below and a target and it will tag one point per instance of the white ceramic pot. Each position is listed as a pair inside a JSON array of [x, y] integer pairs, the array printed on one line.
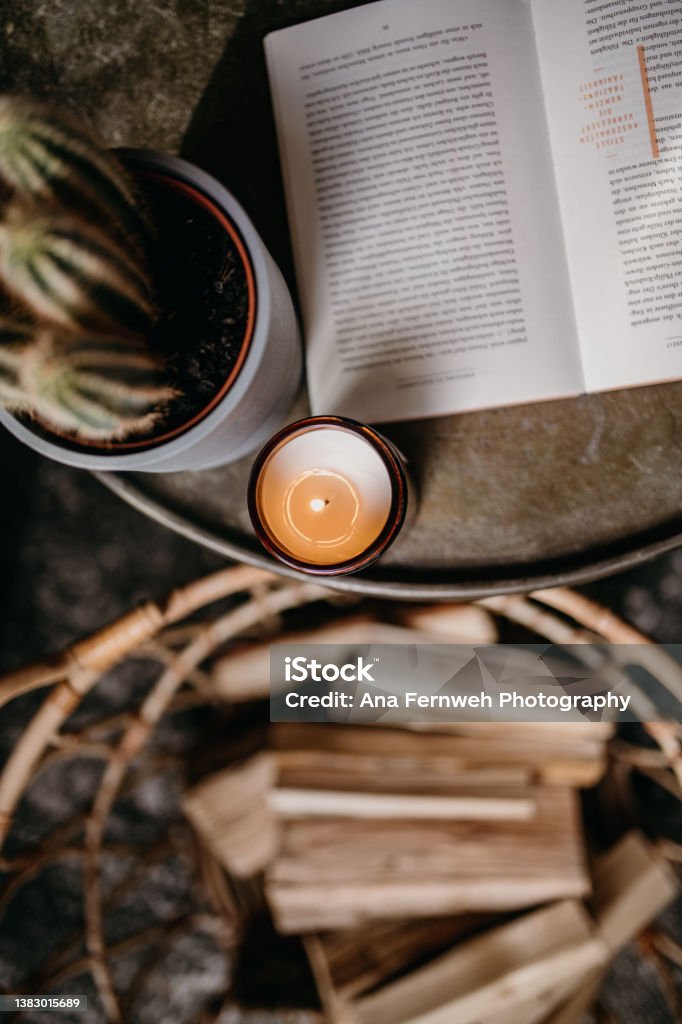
[[256, 401]]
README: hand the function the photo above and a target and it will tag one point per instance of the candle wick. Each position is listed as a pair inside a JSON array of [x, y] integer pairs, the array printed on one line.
[[317, 504]]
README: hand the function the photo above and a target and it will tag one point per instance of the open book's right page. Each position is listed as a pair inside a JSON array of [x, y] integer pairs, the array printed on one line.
[[612, 77]]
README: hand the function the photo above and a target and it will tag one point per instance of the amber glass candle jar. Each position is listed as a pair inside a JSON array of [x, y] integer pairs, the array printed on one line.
[[328, 495]]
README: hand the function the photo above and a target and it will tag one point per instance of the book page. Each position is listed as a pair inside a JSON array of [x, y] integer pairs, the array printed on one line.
[[612, 74], [423, 211]]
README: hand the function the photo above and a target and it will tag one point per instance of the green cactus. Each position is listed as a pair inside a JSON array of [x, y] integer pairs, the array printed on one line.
[[76, 304], [71, 274], [95, 388], [48, 154]]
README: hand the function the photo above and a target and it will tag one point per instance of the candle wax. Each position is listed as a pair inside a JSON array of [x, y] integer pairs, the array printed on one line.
[[324, 495]]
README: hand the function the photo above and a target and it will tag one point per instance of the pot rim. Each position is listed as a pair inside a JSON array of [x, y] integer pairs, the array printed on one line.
[[138, 455]]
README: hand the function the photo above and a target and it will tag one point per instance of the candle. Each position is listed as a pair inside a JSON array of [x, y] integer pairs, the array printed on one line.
[[328, 495]]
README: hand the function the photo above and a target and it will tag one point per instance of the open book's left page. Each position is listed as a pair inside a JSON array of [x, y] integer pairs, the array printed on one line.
[[423, 211]]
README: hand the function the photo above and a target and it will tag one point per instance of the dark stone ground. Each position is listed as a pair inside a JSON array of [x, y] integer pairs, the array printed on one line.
[[171, 74]]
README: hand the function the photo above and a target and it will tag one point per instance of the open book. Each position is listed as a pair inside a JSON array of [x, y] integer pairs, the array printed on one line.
[[485, 200]]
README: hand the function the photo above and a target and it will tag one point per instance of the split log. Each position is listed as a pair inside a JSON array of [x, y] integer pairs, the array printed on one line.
[[358, 960], [553, 760], [526, 962], [244, 673], [290, 803], [338, 873], [574, 1009], [632, 885], [231, 813], [560, 732], [367, 773], [451, 623]]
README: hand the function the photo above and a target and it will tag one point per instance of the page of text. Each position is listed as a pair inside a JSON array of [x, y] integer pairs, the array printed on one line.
[[612, 74], [423, 209]]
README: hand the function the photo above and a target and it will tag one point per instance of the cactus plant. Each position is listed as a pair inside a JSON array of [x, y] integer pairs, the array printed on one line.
[[78, 312], [97, 388], [70, 273], [49, 155]]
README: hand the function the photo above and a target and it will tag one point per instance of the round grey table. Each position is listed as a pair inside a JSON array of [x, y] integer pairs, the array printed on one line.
[[509, 499]]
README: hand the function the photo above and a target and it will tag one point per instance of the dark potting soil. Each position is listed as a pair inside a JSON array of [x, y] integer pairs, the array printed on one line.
[[203, 297]]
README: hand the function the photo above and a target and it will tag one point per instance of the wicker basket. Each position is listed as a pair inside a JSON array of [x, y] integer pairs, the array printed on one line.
[[164, 651]]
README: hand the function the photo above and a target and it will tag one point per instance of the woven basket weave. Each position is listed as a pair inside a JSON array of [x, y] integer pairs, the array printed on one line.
[[130, 749]]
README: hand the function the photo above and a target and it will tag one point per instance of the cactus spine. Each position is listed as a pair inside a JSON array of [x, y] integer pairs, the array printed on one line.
[[52, 156], [95, 388], [78, 307], [71, 274]]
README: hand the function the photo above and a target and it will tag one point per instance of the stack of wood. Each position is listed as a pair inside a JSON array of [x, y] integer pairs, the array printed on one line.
[[543, 967], [410, 859], [376, 822]]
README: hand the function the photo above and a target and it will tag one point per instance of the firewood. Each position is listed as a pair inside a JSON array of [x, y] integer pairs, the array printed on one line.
[[633, 884], [571, 762], [574, 1009], [320, 769], [526, 962], [337, 858], [544, 1001], [357, 960], [350, 963], [230, 811], [451, 623], [338, 873], [244, 673], [339, 1007], [312, 803], [559, 731]]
